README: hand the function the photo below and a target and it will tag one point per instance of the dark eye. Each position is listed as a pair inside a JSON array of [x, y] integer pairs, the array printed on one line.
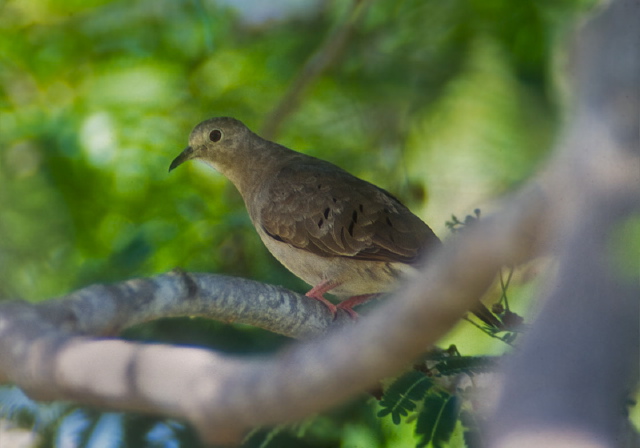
[[215, 135]]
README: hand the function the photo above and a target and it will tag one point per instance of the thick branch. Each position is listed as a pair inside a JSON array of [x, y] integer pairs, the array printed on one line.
[[223, 395], [107, 309], [573, 375]]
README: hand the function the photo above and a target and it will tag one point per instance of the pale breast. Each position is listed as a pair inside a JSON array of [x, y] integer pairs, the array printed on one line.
[[356, 277]]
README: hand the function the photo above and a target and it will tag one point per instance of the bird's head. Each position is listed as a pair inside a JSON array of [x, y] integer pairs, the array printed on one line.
[[216, 141]]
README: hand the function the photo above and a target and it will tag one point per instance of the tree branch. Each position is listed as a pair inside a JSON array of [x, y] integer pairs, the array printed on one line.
[[317, 63], [108, 309], [223, 395], [569, 383]]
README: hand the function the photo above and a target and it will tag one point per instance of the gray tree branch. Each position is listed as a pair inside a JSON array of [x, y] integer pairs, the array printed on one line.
[[42, 351], [569, 383]]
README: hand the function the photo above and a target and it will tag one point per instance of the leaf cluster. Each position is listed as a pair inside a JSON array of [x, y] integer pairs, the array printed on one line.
[[436, 411]]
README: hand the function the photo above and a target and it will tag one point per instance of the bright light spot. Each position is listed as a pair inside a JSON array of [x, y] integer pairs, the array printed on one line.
[[97, 139]]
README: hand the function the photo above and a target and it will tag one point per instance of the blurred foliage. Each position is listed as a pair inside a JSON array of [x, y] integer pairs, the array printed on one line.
[[446, 104]]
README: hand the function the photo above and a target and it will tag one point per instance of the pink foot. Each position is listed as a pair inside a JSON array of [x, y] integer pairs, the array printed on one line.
[[352, 314], [348, 304], [317, 293]]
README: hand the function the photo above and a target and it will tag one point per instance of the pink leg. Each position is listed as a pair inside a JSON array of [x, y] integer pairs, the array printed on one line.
[[317, 292], [348, 304]]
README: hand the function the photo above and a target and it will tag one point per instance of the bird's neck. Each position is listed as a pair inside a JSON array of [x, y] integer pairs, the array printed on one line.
[[252, 167]]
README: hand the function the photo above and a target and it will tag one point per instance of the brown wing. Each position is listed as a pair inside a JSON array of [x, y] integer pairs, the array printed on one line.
[[316, 206]]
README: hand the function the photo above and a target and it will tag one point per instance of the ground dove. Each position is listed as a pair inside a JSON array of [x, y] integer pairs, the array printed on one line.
[[336, 232]]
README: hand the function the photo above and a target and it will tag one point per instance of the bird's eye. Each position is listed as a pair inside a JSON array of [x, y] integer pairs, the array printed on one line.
[[215, 135]]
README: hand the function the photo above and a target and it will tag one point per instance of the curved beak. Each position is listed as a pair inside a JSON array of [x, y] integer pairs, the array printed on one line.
[[185, 155]]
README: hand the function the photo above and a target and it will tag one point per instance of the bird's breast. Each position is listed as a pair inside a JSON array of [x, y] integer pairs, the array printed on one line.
[[354, 276]]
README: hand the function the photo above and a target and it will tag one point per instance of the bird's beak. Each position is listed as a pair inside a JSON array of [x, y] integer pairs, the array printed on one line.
[[185, 155]]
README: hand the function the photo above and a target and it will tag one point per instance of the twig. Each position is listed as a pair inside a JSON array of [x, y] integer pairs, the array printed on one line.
[[312, 69]]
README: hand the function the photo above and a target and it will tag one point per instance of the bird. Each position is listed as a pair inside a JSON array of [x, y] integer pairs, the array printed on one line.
[[337, 232]]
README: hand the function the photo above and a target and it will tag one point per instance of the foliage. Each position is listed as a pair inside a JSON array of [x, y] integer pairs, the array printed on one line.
[[445, 104], [437, 420], [401, 397], [455, 225], [436, 407]]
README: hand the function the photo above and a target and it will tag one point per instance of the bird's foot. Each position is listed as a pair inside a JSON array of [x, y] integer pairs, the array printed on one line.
[[352, 314], [332, 308], [356, 300], [317, 293], [348, 304]]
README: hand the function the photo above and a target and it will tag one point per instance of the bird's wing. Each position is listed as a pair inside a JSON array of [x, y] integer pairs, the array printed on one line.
[[316, 206]]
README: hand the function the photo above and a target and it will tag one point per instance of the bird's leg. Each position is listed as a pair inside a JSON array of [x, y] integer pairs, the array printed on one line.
[[348, 304], [317, 292]]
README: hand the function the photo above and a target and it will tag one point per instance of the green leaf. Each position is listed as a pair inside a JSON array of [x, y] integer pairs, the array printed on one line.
[[466, 364], [471, 434], [437, 420], [447, 422], [428, 418], [401, 397]]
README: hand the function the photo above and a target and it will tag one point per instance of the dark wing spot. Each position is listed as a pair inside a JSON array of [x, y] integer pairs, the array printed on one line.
[[320, 223], [389, 222], [350, 229], [326, 213], [275, 237], [319, 186], [361, 208], [334, 200], [354, 217]]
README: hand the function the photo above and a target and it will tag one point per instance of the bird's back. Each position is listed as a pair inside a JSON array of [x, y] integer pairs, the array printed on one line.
[[316, 206]]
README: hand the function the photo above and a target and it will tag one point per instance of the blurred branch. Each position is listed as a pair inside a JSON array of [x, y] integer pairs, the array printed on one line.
[[223, 395], [316, 64], [569, 383]]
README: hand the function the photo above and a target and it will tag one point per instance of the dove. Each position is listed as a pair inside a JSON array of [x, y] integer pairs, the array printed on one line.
[[340, 234]]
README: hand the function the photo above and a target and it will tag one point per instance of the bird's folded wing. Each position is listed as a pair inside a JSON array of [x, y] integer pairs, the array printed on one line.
[[318, 207]]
